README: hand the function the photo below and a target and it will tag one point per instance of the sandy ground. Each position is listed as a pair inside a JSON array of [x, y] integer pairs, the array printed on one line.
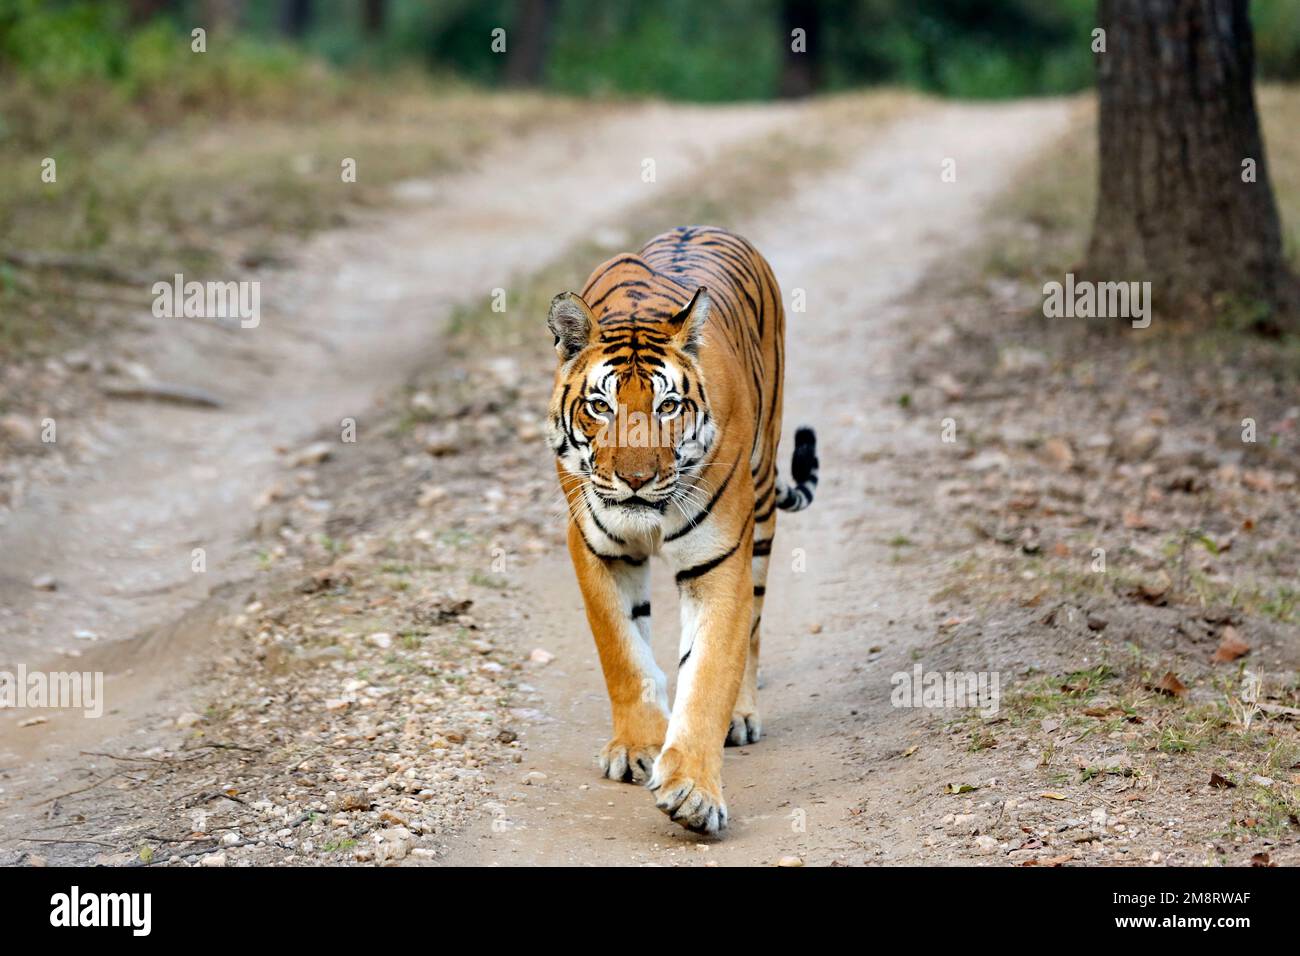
[[338, 334], [857, 241], [841, 776]]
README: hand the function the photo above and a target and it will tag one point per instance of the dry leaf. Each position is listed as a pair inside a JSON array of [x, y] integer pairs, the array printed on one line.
[[1171, 685], [1231, 646], [1220, 782]]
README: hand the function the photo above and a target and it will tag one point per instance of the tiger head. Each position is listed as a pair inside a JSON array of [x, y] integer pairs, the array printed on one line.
[[629, 419]]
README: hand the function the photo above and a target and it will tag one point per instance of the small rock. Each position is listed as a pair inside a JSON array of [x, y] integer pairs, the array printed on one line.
[[189, 719], [313, 454], [789, 861], [1137, 445], [394, 843], [214, 859], [534, 778], [541, 656], [1058, 454], [381, 640], [45, 582], [351, 801], [18, 429], [1096, 622]]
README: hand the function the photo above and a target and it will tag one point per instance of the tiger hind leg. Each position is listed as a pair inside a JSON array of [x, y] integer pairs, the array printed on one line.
[[746, 725]]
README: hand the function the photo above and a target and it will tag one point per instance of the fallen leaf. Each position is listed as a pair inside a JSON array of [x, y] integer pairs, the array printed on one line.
[[1262, 859], [1171, 685], [1220, 782], [959, 788], [1052, 795], [1102, 711], [1231, 646], [909, 751]]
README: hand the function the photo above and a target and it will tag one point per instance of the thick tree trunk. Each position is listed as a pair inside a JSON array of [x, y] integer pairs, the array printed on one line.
[[527, 42], [1177, 123], [297, 17], [374, 17], [801, 68]]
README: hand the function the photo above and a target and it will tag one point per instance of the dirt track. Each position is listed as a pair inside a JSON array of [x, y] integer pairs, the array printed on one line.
[[826, 783], [857, 241], [339, 333]]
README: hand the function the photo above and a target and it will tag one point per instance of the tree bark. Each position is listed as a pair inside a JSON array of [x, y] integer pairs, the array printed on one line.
[[1177, 121], [374, 17], [528, 41], [297, 17]]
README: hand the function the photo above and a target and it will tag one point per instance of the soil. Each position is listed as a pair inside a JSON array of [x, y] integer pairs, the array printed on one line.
[[409, 678]]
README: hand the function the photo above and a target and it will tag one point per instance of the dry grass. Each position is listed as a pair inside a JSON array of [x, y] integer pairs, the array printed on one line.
[[201, 197]]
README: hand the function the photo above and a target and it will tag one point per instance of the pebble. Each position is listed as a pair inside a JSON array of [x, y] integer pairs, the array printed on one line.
[[534, 777], [45, 582], [789, 861]]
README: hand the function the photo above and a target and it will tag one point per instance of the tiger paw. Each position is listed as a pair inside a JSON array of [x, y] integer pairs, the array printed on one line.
[[690, 797], [745, 728], [627, 762]]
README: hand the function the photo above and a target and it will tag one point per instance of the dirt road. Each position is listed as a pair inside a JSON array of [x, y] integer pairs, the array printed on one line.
[[856, 241], [340, 332], [367, 304]]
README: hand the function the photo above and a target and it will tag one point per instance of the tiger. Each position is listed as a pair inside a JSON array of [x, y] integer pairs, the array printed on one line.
[[664, 420]]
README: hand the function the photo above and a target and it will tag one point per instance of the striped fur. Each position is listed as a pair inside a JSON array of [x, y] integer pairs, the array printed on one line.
[[665, 422]]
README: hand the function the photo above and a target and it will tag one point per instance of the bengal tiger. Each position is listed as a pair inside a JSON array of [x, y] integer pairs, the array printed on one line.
[[665, 421]]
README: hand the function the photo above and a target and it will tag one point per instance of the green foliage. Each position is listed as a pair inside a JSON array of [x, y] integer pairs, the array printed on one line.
[[681, 49]]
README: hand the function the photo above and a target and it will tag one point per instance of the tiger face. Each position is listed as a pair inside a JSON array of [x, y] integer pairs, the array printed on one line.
[[629, 419]]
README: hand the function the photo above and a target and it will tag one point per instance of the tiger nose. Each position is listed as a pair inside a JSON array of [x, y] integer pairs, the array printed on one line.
[[635, 479]]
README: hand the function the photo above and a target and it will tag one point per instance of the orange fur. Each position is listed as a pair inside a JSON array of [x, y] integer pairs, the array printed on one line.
[[665, 421]]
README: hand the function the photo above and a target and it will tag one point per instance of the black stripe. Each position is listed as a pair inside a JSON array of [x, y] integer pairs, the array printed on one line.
[[759, 590], [641, 610], [699, 516], [627, 558], [762, 547], [600, 527], [706, 567]]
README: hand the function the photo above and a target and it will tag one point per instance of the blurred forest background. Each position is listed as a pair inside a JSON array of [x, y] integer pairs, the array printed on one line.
[[680, 49]]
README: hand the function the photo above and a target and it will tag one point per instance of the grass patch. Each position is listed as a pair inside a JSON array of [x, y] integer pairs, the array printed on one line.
[[214, 186]]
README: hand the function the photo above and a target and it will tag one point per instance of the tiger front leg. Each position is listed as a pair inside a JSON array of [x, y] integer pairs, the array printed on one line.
[[616, 593], [716, 608]]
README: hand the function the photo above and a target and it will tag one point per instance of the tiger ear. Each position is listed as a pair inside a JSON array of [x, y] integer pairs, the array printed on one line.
[[570, 321], [688, 324]]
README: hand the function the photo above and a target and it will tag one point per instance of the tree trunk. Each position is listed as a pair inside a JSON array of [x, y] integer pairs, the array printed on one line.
[[297, 17], [527, 42], [374, 17], [801, 68], [1177, 123]]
